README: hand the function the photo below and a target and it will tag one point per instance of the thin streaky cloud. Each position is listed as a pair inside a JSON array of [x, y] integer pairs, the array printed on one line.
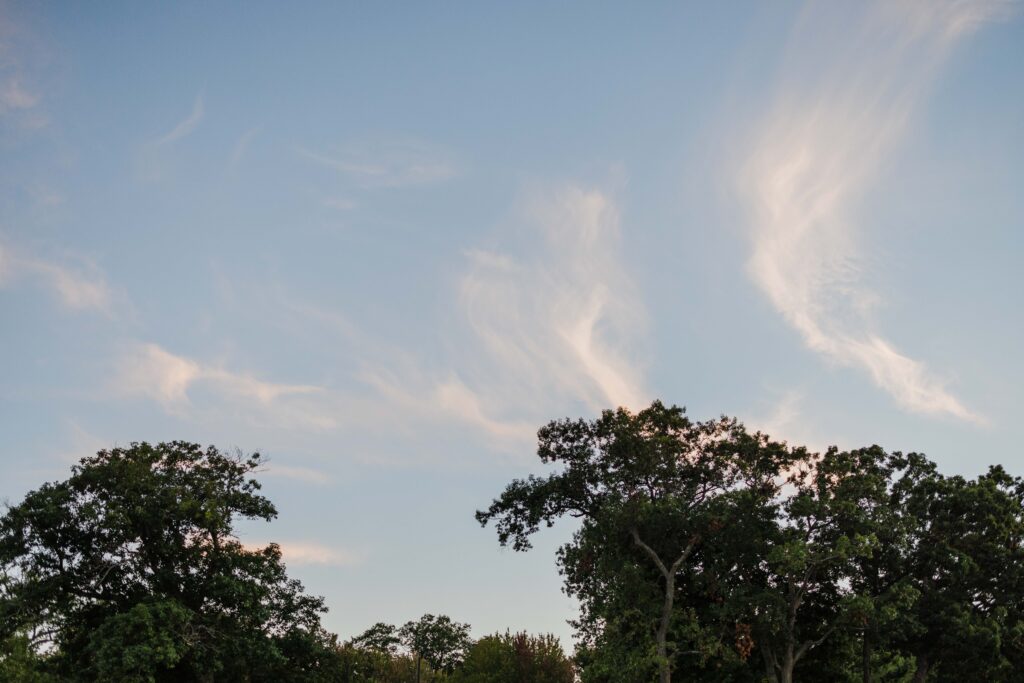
[[242, 146], [837, 119], [568, 321], [187, 126], [304, 553], [79, 287], [387, 164], [21, 94], [152, 372], [15, 97], [305, 475], [556, 327]]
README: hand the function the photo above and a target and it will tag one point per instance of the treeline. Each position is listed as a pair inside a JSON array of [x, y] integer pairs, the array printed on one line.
[[435, 648], [130, 571], [702, 552], [709, 553]]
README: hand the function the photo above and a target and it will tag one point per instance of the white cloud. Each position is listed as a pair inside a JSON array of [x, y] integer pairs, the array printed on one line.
[[80, 287], [427, 399], [306, 475], [836, 121], [242, 146], [152, 372], [304, 553], [20, 72], [387, 163], [14, 96], [187, 126], [564, 323], [554, 329]]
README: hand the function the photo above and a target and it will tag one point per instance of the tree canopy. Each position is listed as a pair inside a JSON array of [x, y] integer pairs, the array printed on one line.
[[130, 570], [721, 554], [701, 550]]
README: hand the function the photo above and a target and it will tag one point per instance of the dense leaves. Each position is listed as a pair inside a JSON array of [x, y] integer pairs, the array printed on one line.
[[701, 550], [722, 555], [129, 570]]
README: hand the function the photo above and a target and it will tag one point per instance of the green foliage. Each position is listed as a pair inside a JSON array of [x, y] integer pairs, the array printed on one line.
[[132, 568], [656, 494], [724, 556], [19, 663], [515, 658], [380, 637], [702, 551], [437, 640], [134, 646]]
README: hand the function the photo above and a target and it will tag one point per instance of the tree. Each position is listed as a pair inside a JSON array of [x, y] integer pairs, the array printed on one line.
[[516, 658], [436, 640], [651, 490], [791, 584], [130, 570], [380, 637], [962, 563]]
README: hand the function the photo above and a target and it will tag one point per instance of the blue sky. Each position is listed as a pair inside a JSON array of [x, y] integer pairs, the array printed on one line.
[[383, 243]]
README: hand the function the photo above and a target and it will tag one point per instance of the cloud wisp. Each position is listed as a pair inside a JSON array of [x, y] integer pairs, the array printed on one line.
[[305, 553], [20, 90], [387, 164], [555, 328], [565, 322], [152, 372], [837, 119], [79, 287], [186, 127]]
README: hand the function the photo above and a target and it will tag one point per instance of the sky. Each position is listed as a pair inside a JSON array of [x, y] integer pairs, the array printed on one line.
[[382, 243]]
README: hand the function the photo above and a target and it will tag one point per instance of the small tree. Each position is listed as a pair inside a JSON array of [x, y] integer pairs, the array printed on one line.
[[516, 658], [436, 640], [380, 637]]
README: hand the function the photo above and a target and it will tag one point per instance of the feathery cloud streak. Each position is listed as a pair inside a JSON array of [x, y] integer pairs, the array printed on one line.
[[387, 164], [152, 372], [833, 126], [565, 323], [185, 127], [552, 328], [304, 553], [78, 288]]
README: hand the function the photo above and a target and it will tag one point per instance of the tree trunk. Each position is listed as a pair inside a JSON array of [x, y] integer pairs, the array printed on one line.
[[661, 636], [788, 664], [419, 660], [921, 674], [665, 667], [866, 657]]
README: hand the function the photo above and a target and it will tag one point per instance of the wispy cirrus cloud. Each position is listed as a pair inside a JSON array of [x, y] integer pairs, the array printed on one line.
[[307, 475], [77, 282], [186, 126], [837, 118], [550, 327], [152, 372], [384, 164], [565, 321], [20, 89], [305, 553]]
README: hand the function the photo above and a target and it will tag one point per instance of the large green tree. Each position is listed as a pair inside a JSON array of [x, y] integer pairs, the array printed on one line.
[[131, 571], [652, 491]]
